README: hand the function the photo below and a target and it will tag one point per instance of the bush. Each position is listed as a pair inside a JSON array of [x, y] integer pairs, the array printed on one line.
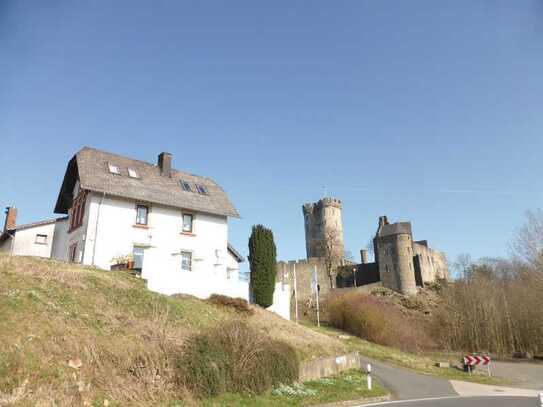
[[238, 304], [262, 262], [235, 358], [377, 321]]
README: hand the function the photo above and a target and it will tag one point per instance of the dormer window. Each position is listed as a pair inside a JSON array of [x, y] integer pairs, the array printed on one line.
[[113, 169], [185, 185], [132, 173], [201, 189]]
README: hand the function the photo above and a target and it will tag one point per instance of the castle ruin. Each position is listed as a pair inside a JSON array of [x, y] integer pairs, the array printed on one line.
[[401, 264]]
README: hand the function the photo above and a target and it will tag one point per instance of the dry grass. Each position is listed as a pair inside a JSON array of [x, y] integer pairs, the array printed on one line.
[[124, 335]]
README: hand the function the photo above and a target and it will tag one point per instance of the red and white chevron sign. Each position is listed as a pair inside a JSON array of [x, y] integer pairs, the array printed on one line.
[[476, 360]]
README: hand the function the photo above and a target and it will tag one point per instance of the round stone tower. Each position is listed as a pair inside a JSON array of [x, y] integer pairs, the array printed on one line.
[[394, 254], [323, 228]]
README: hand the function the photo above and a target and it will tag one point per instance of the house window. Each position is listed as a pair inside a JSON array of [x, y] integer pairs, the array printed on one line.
[[201, 189], [132, 173], [185, 185], [186, 261], [77, 211], [72, 253], [386, 268], [113, 169], [142, 213], [137, 254], [187, 223], [41, 239]]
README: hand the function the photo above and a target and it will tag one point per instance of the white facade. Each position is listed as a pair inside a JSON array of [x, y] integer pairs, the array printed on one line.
[[33, 240], [109, 230]]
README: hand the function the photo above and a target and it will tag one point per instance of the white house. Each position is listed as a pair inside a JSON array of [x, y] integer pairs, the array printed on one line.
[[173, 224], [32, 239]]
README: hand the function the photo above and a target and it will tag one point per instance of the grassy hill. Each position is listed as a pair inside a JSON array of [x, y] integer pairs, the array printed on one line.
[[75, 335]]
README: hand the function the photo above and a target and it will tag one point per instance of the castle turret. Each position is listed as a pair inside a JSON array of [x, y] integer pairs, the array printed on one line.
[[323, 228], [394, 255]]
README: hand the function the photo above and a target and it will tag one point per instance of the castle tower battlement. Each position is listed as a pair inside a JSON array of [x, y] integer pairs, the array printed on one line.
[[394, 254], [323, 227]]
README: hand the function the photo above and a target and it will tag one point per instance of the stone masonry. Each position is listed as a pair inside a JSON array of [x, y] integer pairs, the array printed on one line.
[[401, 263]]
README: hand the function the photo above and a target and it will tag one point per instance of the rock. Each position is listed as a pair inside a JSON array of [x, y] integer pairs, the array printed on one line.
[[344, 337], [522, 355], [75, 363], [81, 386], [106, 402]]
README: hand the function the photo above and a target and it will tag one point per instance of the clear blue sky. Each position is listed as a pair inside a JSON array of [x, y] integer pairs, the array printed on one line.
[[429, 111]]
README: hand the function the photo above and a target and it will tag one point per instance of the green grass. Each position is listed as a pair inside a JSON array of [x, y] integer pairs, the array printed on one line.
[[349, 385], [420, 363]]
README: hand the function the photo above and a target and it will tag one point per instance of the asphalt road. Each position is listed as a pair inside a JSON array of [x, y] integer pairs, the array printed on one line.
[[405, 384], [522, 374], [499, 401]]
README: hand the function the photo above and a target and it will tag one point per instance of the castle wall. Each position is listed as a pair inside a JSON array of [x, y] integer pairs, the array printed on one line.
[[304, 272], [395, 259], [433, 264], [364, 274]]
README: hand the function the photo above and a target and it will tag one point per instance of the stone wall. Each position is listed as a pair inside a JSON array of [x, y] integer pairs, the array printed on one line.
[[325, 367], [433, 264], [304, 271]]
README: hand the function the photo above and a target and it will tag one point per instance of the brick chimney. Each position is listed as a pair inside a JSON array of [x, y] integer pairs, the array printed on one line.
[[165, 164], [364, 256], [383, 220], [11, 218]]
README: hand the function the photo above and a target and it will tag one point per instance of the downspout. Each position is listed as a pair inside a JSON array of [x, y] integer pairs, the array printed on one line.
[[96, 228], [12, 244]]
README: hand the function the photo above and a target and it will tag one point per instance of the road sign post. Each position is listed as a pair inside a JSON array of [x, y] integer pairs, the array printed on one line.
[[470, 361], [368, 375]]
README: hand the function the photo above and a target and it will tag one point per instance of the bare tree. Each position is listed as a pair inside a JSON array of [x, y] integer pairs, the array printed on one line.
[[348, 256], [370, 247], [462, 266], [528, 241], [331, 254]]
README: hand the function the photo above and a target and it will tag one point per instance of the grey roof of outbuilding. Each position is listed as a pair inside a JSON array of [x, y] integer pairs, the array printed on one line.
[[91, 167], [40, 223], [398, 228], [235, 253]]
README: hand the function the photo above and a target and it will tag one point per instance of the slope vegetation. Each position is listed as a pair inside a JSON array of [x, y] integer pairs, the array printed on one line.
[[75, 335]]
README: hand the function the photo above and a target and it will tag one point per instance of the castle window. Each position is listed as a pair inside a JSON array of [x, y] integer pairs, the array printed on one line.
[[386, 268]]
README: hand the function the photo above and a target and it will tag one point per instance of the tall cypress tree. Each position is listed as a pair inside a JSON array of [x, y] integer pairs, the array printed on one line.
[[262, 261]]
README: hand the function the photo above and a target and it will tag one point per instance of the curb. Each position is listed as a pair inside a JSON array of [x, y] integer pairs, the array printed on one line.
[[358, 402]]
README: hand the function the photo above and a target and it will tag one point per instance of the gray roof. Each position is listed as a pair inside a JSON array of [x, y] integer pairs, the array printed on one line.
[[395, 229], [40, 223], [235, 253], [91, 167]]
